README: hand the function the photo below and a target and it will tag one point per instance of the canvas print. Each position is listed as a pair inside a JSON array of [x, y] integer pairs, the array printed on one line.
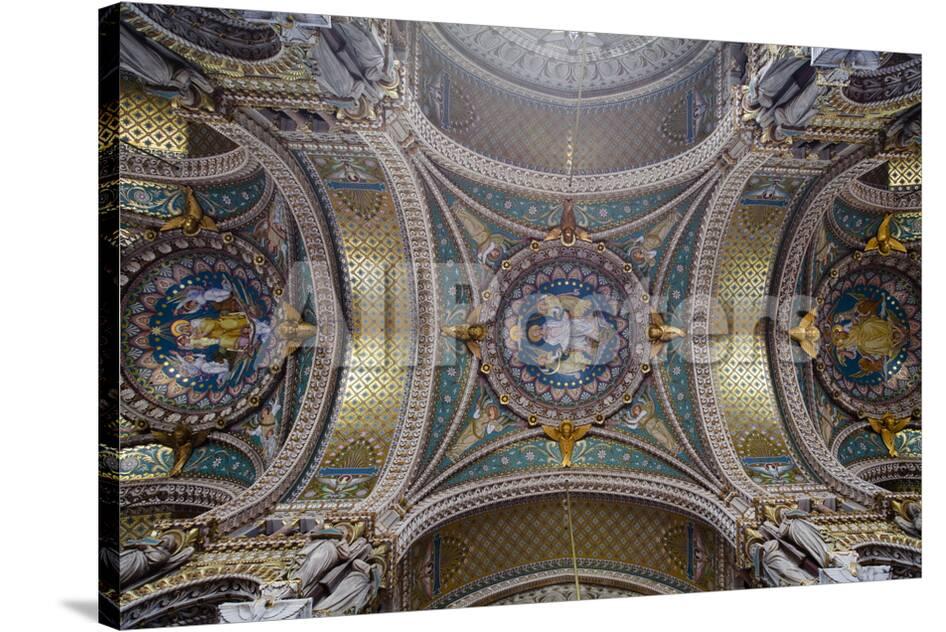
[[406, 315]]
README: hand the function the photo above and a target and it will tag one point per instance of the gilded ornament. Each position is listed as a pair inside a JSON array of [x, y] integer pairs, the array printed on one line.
[[193, 220], [567, 435], [806, 334], [182, 440], [884, 242], [660, 333], [888, 426]]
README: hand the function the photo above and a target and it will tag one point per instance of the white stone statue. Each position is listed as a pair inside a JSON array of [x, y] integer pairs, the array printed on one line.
[[322, 556], [910, 519], [775, 567], [805, 535], [269, 606], [353, 62], [353, 591], [783, 95], [162, 71], [846, 569], [150, 557], [907, 130], [853, 59]]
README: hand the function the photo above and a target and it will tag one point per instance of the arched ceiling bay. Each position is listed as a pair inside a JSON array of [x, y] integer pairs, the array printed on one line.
[[513, 95]]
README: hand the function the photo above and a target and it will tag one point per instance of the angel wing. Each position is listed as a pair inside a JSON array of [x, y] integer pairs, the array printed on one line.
[[164, 438], [884, 241], [181, 455], [184, 449], [809, 348], [552, 433], [883, 231], [875, 424], [177, 221], [899, 424], [580, 432], [473, 226], [809, 318], [193, 219], [291, 313]]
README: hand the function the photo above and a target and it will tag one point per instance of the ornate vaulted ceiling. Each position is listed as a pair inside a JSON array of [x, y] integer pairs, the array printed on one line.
[[344, 296]]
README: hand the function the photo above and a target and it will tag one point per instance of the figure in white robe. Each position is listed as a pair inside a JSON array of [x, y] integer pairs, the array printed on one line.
[[783, 94], [805, 535], [846, 569], [160, 70], [321, 557], [776, 568], [350, 596]]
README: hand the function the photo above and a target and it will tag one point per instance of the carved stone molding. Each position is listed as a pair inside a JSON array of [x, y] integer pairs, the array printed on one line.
[[885, 84], [873, 199], [408, 196], [807, 436], [711, 237], [184, 492], [671, 494], [492, 172], [711, 470], [232, 165], [587, 577], [202, 592], [885, 469], [316, 402], [286, 62], [625, 67], [906, 561]]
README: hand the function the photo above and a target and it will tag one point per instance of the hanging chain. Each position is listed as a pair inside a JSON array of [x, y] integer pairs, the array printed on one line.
[[571, 538], [573, 135]]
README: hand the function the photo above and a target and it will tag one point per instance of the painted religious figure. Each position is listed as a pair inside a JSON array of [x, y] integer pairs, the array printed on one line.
[[208, 332], [205, 330], [868, 334], [565, 334]]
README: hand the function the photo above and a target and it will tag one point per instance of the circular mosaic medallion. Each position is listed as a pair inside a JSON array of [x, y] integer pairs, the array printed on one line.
[[567, 334], [869, 319], [197, 320]]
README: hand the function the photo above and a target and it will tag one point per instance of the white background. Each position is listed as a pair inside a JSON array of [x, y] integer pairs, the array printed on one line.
[[49, 322]]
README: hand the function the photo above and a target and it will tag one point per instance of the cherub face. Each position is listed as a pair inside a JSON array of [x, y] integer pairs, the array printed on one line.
[[536, 333], [636, 409], [190, 305], [547, 304], [839, 334]]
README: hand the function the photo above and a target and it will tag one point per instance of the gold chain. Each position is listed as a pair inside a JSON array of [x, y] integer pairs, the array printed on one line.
[[573, 136], [571, 537]]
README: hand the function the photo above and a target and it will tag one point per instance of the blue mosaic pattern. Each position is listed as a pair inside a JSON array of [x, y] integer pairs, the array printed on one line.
[[543, 214], [867, 444], [541, 453]]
